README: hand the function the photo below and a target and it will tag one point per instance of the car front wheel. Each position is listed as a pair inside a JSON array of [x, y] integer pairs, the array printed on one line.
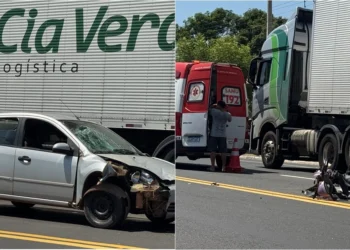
[[106, 206]]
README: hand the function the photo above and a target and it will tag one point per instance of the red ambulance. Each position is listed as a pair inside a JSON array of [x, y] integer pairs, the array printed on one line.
[[198, 86]]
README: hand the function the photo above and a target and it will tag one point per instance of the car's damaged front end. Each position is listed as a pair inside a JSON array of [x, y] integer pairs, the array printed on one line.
[[149, 182]]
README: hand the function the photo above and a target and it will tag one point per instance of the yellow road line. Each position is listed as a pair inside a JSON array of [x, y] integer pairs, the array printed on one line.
[[267, 193], [61, 241]]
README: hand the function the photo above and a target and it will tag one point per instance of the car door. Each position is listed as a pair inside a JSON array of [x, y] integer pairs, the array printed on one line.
[[230, 89], [8, 132], [39, 172], [195, 109]]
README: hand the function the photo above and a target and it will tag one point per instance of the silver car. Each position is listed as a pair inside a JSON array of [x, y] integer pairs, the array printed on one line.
[[63, 161]]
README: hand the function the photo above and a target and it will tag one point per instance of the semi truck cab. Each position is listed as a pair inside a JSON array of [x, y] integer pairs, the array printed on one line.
[[297, 88]]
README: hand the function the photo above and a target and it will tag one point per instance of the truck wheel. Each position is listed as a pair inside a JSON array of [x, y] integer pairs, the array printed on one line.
[[269, 154], [159, 220], [105, 206], [22, 205], [328, 152], [347, 154], [170, 156]]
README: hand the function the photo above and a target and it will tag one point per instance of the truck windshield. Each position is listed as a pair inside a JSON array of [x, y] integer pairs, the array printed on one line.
[[99, 139]]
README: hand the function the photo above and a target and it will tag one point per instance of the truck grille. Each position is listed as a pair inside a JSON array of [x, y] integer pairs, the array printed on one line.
[[171, 208]]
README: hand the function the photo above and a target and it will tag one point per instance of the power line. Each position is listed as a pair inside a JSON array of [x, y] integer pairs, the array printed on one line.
[[291, 11], [294, 2], [283, 3]]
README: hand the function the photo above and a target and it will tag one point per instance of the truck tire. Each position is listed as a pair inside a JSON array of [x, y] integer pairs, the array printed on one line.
[[170, 156], [269, 154], [22, 205], [328, 150], [347, 154], [105, 206]]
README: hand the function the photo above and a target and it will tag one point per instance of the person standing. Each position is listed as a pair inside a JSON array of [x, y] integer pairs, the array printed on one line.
[[217, 140]]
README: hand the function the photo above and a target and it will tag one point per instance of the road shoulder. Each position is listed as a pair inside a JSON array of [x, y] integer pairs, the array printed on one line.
[[255, 157]]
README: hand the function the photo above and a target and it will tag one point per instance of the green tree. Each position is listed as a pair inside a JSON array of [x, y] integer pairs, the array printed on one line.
[[223, 50], [251, 29], [182, 32], [189, 49], [211, 25], [228, 50]]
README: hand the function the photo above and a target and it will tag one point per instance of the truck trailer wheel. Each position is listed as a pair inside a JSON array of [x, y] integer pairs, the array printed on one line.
[[105, 206], [347, 154], [328, 153], [170, 156], [269, 154]]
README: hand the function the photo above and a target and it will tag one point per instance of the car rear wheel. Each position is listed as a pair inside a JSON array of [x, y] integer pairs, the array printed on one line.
[[106, 206]]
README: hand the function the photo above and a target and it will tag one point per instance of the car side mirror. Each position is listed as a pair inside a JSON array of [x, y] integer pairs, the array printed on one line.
[[62, 148]]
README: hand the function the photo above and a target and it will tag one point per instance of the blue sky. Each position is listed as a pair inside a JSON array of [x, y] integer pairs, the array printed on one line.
[[185, 9]]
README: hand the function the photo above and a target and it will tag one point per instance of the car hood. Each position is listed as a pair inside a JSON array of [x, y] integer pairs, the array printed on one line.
[[163, 169]]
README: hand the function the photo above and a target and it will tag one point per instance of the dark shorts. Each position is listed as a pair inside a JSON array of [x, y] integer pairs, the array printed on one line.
[[217, 144]]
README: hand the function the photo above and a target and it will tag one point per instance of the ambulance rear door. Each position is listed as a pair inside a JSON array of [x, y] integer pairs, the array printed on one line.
[[195, 108], [231, 89]]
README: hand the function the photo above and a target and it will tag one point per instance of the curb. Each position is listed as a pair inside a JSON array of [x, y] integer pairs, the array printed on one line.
[[254, 157]]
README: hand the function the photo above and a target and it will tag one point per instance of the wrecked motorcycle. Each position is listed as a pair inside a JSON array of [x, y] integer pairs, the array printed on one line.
[[330, 185]]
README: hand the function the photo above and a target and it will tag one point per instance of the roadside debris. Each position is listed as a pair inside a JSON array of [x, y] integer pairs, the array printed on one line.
[[329, 185]]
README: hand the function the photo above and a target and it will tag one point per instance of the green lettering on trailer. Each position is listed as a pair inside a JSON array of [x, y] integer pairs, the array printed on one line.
[[83, 41], [83, 45], [7, 49], [163, 32], [104, 32], [136, 26], [25, 41], [55, 41]]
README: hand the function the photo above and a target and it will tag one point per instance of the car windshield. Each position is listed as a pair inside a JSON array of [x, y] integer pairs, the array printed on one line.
[[99, 139]]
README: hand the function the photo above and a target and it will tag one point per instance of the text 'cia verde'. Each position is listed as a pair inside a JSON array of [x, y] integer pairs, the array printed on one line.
[[99, 28]]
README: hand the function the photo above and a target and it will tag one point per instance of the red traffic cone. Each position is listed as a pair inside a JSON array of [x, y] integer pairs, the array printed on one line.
[[234, 165]]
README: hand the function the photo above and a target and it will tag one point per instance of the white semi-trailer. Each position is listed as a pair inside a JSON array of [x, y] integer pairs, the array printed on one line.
[[110, 62]]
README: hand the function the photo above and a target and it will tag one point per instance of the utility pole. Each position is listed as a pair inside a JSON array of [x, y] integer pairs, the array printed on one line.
[[269, 17], [304, 3]]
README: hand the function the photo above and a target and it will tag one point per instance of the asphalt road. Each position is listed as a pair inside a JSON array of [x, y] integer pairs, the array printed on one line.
[[51, 227], [259, 208]]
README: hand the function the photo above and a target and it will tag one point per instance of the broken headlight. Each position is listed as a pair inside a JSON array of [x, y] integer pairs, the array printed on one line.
[[142, 177]]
